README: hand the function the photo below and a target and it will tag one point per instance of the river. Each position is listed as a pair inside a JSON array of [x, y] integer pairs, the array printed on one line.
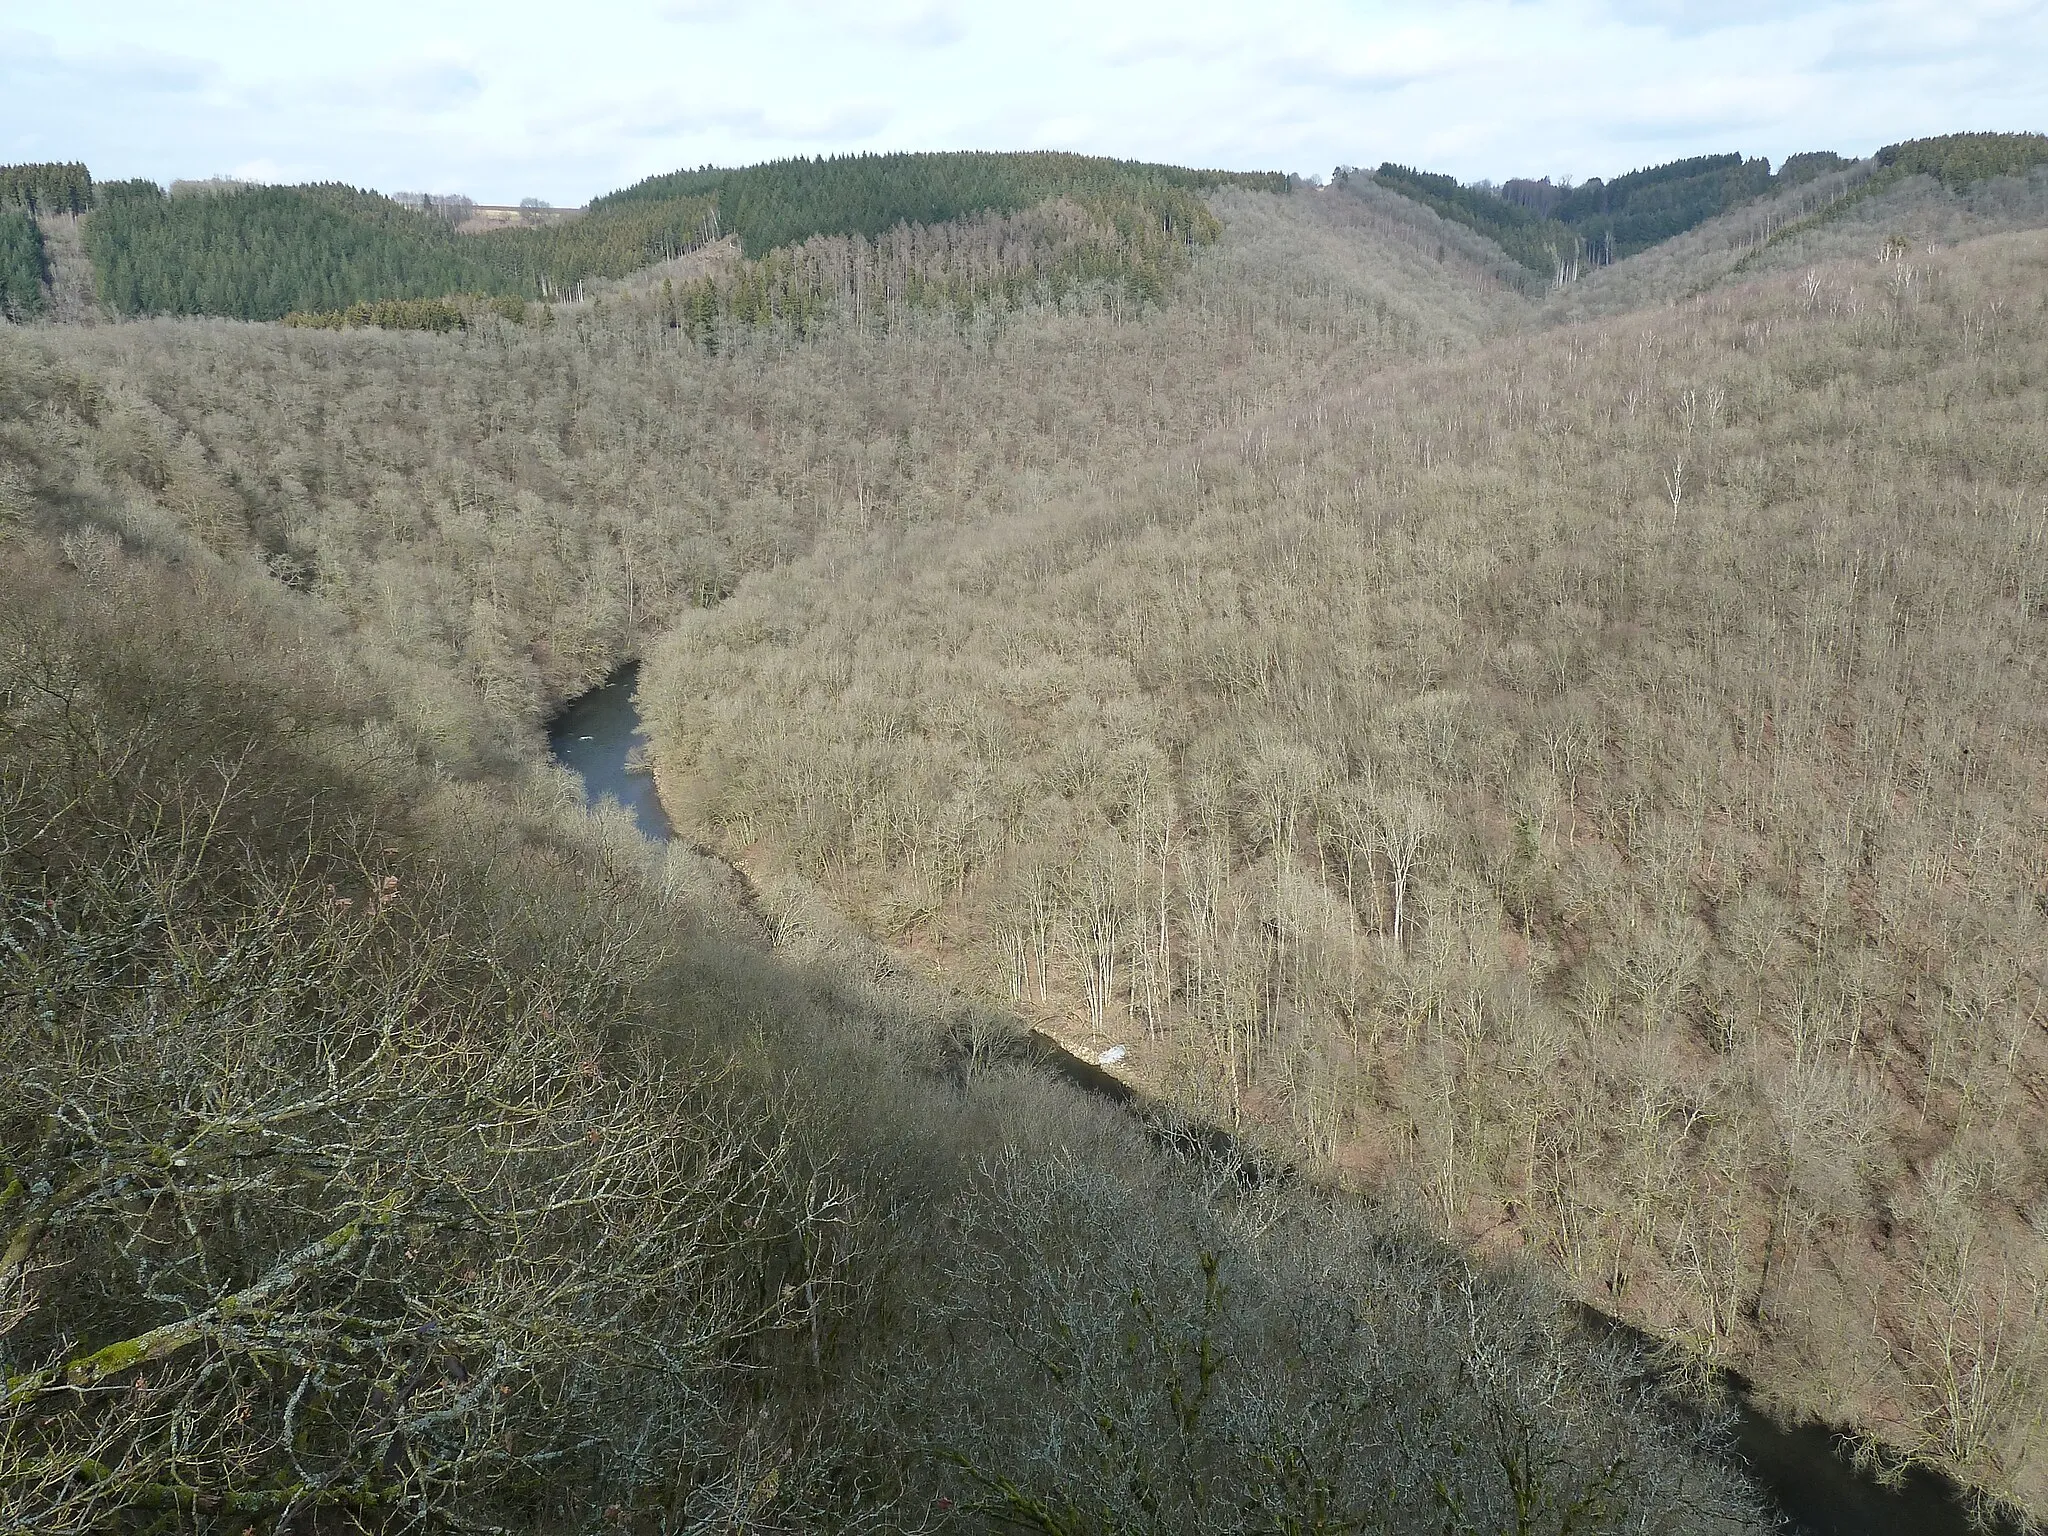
[[1818, 1489], [598, 735]]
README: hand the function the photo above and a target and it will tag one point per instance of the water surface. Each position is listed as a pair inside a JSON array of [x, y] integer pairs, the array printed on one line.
[[598, 735]]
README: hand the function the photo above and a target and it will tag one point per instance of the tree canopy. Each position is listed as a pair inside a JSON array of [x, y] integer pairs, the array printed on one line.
[[267, 252], [787, 201], [1959, 159], [46, 188], [1542, 225]]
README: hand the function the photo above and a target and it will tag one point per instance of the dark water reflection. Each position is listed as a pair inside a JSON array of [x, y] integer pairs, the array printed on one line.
[[1823, 1494], [598, 735], [1803, 1470]]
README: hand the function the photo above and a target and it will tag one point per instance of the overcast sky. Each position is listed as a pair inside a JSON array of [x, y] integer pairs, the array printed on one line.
[[506, 99]]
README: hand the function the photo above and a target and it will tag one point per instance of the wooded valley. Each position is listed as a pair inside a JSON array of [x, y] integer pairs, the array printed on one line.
[[1553, 766]]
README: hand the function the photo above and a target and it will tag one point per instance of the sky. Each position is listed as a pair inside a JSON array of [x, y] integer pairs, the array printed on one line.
[[509, 99]]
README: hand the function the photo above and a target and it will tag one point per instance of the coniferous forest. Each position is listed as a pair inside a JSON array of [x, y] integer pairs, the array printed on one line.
[[262, 253], [787, 201], [24, 271], [1338, 866], [46, 188], [1550, 229]]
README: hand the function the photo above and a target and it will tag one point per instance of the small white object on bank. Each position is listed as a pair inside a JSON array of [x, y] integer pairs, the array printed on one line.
[[1112, 1056]]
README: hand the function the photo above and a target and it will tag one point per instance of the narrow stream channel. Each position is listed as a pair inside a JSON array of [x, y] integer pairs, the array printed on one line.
[[1816, 1487]]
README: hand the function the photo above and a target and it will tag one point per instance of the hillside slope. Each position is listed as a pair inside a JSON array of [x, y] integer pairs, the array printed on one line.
[[1571, 781], [1668, 232], [1822, 221], [262, 252], [785, 202], [527, 503], [1586, 782], [1552, 231], [393, 1143]]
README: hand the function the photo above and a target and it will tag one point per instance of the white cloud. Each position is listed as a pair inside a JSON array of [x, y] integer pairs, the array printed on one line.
[[265, 171], [923, 26], [503, 99]]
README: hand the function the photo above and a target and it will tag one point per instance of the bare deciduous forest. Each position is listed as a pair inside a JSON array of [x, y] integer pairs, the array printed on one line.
[[392, 1142], [1558, 771], [530, 503], [1589, 784]]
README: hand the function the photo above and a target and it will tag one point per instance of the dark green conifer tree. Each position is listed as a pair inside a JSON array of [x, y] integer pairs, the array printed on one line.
[[24, 267]]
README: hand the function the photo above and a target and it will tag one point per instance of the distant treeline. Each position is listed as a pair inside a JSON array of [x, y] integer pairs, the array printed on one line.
[[877, 236], [787, 201], [260, 254], [266, 252], [1547, 228], [1957, 160]]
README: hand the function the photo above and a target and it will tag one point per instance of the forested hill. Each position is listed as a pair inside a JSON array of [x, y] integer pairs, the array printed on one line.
[[1542, 225], [787, 201], [1550, 228], [389, 1144], [261, 253], [870, 237]]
